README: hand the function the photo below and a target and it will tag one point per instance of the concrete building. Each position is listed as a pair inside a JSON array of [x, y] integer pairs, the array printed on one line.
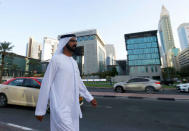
[[92, 57], [49, 48], [183, 32], [183, 58], [110, 55], [166, 35], [143, 54], [33, 49]]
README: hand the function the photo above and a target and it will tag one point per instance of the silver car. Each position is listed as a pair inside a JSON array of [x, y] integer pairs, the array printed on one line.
[[138, 84]]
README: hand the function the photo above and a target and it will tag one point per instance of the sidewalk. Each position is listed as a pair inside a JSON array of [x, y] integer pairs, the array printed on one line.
[[134, 95]]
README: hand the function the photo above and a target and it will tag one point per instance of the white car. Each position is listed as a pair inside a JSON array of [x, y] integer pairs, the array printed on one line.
[[138, 84], [183, 87], [22, 91]]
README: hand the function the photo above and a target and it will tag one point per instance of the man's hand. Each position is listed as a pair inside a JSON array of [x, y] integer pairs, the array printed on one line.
[[40, 118], [94, 103]]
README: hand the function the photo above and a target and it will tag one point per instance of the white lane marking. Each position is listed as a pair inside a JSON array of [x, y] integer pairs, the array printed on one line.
[[21, 127]]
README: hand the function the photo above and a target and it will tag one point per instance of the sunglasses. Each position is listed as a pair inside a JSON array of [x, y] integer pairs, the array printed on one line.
[[73, 41]]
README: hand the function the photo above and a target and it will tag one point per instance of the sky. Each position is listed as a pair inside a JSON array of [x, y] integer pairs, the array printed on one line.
[[21, 19]]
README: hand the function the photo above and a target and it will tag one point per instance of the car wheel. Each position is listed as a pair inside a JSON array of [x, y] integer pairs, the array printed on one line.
[[3, 100], [149, 90], [119, 89]]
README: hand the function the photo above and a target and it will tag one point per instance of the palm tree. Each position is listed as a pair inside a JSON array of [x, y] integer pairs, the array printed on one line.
[[5, 47]]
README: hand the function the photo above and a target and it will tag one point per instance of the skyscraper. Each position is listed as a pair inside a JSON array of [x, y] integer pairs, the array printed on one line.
[[49, 48], [166, 35], [110, 54], [33, 49], [183, 32]]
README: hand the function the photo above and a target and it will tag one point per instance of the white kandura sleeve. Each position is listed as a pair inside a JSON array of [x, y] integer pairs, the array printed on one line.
[[84, 92], [45, 89]]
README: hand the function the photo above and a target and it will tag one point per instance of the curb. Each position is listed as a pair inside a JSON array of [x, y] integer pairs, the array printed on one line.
[[109, 96], [100, 87], [136, 97], [169, 99]]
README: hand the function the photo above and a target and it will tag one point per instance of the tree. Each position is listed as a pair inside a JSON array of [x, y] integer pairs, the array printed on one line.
[[34, 64], [169, 73], [114, 72], [5, 47], [14, 68], [107, 74], [184, 72]]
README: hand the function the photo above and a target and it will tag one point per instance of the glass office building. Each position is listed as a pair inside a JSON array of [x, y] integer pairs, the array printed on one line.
[[166, 36], [143, 54], [183, 32]]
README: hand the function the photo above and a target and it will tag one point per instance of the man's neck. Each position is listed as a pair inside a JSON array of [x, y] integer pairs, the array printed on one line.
[[67, 52]]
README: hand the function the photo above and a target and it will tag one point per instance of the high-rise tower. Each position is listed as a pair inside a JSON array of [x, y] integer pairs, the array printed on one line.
[[166, 35]]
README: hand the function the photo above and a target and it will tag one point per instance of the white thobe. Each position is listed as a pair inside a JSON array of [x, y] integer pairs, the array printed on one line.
[[62, 84]]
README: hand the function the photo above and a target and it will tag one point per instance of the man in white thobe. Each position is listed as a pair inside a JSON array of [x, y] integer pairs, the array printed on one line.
[[62, 85]]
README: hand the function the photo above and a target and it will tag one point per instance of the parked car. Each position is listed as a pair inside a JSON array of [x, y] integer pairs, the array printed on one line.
[[138, 84], [21, 91], [183, 87]]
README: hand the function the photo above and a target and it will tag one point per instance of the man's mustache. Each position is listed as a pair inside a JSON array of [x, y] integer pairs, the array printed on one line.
[[75, 46]]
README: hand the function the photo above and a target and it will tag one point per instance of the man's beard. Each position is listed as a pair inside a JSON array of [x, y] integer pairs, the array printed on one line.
[[71, 48]]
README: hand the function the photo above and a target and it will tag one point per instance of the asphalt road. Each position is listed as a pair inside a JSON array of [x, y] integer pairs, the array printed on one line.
[[163, 91], [113, 114]]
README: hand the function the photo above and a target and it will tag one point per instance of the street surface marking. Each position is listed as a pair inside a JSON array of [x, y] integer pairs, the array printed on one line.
[[21, 127]]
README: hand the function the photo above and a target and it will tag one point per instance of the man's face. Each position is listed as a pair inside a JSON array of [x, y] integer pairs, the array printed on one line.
[[72, 44]]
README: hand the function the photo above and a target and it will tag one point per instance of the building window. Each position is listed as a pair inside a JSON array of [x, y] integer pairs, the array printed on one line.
[[156, 69], [152, 69], [147, 69], [141, 69], [86, 38], [132, 70]]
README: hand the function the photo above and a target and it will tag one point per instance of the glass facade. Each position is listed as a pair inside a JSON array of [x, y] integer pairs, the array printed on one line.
[[166, 35], [184, 41], [144, 69], [79, 62], [15, 65], [86, 38], [143, 51], [162, 42]]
